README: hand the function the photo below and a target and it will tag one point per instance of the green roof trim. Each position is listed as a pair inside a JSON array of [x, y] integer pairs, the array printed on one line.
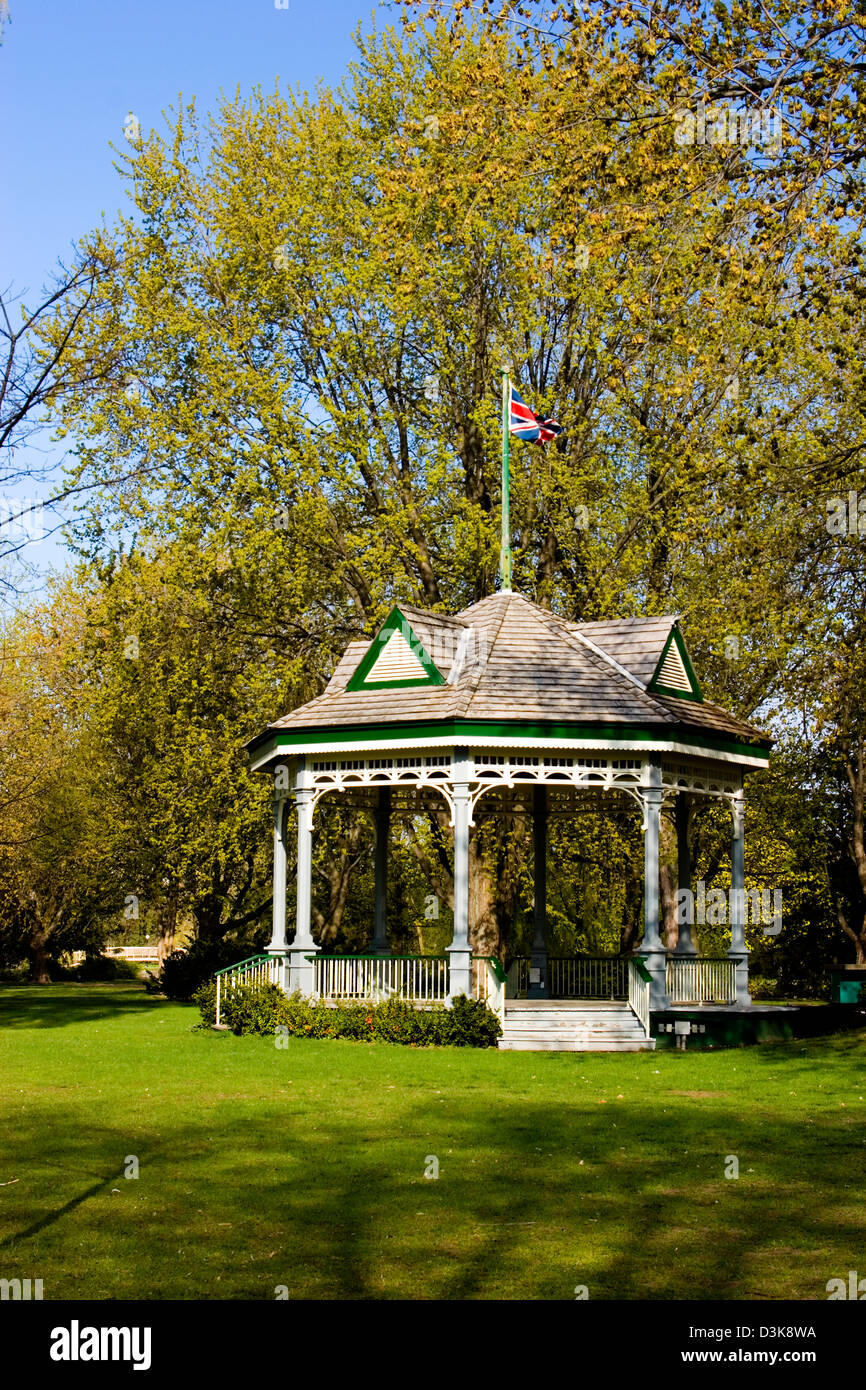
[[656, 687], [462, 732], [395, 622]]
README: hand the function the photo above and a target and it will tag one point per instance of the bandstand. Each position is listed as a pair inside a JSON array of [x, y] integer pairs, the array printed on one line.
[[440, 710]]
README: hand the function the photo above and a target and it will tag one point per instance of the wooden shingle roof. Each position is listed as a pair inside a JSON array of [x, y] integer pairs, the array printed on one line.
[[507, 659], [636, 643]]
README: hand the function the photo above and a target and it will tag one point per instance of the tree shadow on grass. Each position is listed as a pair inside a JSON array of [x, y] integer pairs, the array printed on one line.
[[57, 1006], [532, 1200], [804, 1054], [51, 1216]]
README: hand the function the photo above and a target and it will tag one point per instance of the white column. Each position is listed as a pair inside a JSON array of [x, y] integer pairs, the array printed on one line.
[[382, 818], [459, 952], [301, 972], [278, 913], [738, 951], [651, 948]]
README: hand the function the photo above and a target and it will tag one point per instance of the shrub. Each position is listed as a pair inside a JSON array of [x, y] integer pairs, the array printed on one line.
[[255, 1008], [264, 1009], [245, 1008], [763, 987], [395, 1020], [184, 972], [472, 1024], [96, 969], [205, 998]]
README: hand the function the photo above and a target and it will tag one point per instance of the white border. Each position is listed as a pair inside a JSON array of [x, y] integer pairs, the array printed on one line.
[[395, 745]]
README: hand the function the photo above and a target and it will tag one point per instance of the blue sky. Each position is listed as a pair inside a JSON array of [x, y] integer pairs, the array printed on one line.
[[71, 70]]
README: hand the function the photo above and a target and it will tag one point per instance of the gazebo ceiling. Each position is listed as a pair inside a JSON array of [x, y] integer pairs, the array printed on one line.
[[507, 671]]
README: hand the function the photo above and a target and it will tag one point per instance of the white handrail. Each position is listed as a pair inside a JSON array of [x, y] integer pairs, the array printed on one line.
[[258, 970], [489, 986], [639, 996]]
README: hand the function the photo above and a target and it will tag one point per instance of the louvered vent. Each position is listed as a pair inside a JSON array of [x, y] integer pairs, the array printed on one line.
[[673, 673], [396, 662]]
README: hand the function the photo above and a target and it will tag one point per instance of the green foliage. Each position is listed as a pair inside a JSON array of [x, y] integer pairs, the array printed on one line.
[[293, 273], [60, 880], [764, 987], [183, 972], [205, 999], [472, 1023], [104, 968], [253, 1008], [266, 1009]]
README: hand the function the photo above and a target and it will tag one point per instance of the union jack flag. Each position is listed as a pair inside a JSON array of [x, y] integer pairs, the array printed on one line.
[[525, 424]]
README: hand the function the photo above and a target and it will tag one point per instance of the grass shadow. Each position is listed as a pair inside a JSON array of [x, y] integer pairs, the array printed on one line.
[[62, 1005]]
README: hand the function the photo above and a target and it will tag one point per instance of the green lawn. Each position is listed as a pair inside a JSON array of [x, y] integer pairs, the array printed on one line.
[[305, 1166]]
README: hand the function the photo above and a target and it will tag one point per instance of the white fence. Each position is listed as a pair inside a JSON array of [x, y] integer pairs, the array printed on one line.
[[139, 953], [697, 980], [424, 979], [420, 979]]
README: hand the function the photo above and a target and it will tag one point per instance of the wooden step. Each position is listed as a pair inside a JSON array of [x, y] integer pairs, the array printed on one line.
[[545, 1025], [575, 1045]]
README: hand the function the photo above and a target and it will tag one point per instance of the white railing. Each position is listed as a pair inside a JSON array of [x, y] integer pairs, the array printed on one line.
[[575, 977], [488, 983], [587, 977], [255, 970], [639, 994], [696, 980], [420, 979]]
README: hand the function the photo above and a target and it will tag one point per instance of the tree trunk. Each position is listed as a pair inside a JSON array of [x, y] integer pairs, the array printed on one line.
[[37, 952], [167, 928], [858, 938], [484, 931]]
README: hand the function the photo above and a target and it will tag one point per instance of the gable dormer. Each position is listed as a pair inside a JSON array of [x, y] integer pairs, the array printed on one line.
[[396, 659], [674, 674]]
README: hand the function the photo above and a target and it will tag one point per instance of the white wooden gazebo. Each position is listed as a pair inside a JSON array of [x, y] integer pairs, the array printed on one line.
[[507, 695]]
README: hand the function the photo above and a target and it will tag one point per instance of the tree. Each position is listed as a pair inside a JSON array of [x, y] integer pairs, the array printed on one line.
[[305, 317], [176, 689], [36, 373], [59, 880]]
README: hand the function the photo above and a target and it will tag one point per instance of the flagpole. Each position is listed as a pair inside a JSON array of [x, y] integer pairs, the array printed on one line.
[[505, 547]]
